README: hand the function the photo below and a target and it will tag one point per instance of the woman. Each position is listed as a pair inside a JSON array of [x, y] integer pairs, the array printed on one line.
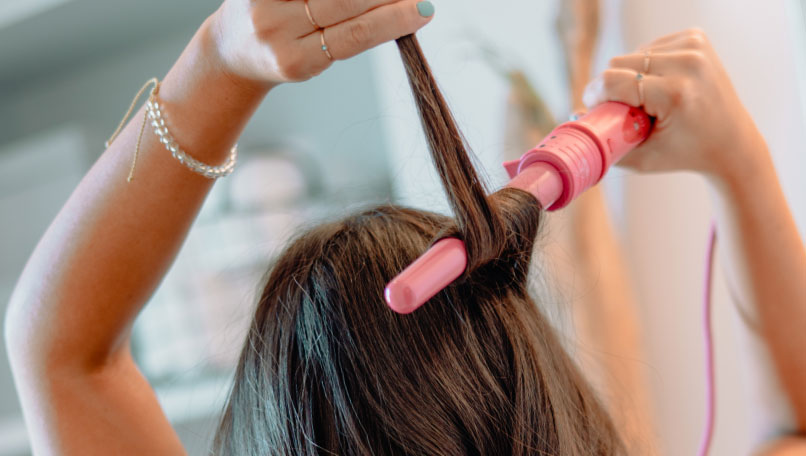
[[327, 367]]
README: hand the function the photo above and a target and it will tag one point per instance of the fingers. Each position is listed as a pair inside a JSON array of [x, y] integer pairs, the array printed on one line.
[[665, 54], [657, 63], [693, 42], [377, 26], [673, 38], [621, 84], [661, 63], [298, 59], [299, 22], [664, 64], [331, 12]]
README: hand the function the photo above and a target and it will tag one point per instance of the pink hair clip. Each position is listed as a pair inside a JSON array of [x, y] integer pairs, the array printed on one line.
[[571, 159]]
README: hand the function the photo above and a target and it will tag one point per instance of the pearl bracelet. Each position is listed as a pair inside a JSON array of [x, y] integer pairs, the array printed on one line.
[[212, 172], [154, 112]]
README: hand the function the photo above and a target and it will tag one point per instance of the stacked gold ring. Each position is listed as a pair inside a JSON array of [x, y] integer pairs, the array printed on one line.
[[639, 77], [321, 30], [310, 16]]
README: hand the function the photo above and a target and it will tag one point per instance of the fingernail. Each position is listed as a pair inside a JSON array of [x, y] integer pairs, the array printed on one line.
[[426, 9]]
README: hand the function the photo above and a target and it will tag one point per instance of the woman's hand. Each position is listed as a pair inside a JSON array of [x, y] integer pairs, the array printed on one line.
[[701, 124], [274, 41], [79, 386]]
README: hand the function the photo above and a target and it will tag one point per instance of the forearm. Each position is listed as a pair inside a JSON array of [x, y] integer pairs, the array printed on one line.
[[765, 265], [110, 245]]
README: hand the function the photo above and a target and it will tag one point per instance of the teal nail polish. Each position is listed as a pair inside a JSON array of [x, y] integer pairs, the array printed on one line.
[[426, 8]]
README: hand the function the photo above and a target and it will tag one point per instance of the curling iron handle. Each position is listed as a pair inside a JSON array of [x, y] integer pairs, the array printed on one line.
[[580, 152]]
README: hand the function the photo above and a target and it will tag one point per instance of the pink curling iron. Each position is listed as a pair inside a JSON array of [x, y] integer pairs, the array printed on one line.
[[574, 157]]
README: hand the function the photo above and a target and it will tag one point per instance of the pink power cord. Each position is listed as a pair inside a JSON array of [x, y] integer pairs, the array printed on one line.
[[710, 384]]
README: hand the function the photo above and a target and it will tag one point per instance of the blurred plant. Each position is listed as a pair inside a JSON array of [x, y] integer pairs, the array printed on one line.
[[526, 105], [529, 117]]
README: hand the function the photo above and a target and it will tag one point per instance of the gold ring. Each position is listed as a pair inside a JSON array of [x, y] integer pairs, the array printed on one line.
[[647, 57], [324, 45], [640, 78], [310, 16]]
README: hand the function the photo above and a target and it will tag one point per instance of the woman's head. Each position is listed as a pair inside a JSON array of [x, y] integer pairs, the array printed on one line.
[[328, 368]]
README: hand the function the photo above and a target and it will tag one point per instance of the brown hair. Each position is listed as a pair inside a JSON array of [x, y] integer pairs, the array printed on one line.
[[328, 368]]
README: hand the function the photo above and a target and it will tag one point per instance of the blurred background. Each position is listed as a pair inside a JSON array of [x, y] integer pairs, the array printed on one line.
[[68, 69]]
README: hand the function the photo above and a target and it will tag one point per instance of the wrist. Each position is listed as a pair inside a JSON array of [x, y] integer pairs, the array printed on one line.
[[748, 180], [748, 162], [206, 106], [210, 40]]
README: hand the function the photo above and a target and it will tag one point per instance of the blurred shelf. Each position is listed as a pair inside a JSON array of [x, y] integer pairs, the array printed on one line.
[[77, 31], [13, 11]]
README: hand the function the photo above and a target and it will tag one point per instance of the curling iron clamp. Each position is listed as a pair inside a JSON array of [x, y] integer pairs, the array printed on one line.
[[572, 158]]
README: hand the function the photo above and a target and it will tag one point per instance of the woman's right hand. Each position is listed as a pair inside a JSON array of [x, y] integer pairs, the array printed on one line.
[[701, 125], [274, 41]]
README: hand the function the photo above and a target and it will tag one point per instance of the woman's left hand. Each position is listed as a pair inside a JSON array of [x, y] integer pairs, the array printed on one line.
[[275, 41], [701, 124]]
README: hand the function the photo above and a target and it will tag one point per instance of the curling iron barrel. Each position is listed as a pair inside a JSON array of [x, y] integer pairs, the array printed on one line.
[[571, 159]]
